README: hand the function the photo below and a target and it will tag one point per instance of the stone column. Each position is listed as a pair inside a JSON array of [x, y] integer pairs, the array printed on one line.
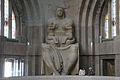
[[102, 27], [117, 17], [97, 66], [31, 65], [101, 67], [2, 17], [18, 28], [26, 66], [10, 20], [2, 40], [117, 65], [2, 66], [109, 24]]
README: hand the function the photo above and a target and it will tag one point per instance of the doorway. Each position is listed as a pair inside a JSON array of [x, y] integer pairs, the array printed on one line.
[[108, 67]]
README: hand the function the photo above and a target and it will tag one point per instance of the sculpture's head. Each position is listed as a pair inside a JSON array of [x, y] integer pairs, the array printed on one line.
[[60, 12]]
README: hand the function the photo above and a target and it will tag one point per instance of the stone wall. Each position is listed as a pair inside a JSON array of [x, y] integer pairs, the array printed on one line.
[[62, 78], [86, 15], [108, 49], [12, 47]]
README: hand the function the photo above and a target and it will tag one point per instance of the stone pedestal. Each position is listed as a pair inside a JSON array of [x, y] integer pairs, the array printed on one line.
[[62, 78]]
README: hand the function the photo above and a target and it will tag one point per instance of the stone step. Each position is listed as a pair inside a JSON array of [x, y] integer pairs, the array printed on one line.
[[62, 78]]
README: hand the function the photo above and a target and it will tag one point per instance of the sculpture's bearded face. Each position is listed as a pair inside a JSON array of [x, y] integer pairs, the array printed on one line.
[[60, 12]]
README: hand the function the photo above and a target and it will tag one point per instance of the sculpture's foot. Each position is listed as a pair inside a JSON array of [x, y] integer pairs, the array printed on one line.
[[56, 73], [63, 73]]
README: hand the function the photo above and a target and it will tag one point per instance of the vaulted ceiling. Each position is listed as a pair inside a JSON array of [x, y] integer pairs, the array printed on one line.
[[85, 13], [35, 10]]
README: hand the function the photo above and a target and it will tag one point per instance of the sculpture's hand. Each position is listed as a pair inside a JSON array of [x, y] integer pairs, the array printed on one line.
[[51, 26]]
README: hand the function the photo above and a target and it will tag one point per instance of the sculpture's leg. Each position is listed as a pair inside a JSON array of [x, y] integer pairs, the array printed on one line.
[[72, 58], [48, 60]]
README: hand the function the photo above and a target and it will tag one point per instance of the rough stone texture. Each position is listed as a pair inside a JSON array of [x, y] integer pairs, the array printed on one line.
[[11, 47], [62, 78], [117, 66], [60, 52], [106, 48], [86, 15], [68, 55], [116, 45], [83, 12]]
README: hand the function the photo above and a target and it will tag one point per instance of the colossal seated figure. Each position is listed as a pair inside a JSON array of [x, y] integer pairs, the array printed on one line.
[[60, 52]]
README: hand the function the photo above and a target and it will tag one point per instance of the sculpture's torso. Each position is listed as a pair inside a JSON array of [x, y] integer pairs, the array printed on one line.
[[60, 32]]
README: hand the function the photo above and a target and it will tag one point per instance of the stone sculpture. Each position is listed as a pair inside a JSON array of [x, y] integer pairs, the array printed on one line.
[[60, 52]]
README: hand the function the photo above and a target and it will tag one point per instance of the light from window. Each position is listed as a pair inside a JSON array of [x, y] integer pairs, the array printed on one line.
[[8, 68], [13, 67], [113, 18], [13, 26], [6, 17], [106, 26]]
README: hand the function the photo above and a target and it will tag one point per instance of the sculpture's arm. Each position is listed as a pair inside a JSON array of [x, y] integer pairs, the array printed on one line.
[[69, 33], [51, 40]]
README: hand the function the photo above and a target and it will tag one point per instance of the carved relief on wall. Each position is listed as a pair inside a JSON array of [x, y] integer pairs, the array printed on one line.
[[60, 52]]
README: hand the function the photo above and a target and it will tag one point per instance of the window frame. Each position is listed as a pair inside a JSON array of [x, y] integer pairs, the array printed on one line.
[[18, 22], [102, 21], [20, 66]]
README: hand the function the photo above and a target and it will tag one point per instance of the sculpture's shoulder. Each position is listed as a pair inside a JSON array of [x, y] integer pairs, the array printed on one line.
[[51, 20], [69, 21]]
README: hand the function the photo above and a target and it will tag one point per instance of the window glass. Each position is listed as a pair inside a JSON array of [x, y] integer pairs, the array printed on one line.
[[110, 18], [106, 26], [6, 17], [14, 67], [113, 18], [13, 26]]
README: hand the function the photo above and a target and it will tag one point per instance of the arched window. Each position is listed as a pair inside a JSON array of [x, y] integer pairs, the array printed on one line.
[[110, 20], [106, 26], [13, 26], [16, 67], [113, 16], [8, 24], [6, 17], [105, 22]]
